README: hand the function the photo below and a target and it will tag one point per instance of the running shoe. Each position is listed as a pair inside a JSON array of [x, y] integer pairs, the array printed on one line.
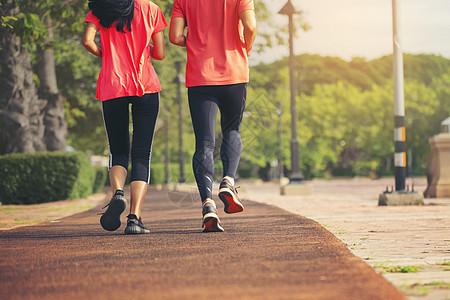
[[229, 197], [211, 222], [135, 225], [110, 219]]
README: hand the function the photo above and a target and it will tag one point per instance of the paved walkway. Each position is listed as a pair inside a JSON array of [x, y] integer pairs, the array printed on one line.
[[387, 238], [265, 253]]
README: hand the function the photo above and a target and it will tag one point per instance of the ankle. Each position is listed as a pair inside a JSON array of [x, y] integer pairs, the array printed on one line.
[[230, 179], [133, 216], [119, 192], [208, 200]]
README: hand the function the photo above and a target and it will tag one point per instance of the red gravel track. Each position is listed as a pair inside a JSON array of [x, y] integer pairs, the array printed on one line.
[[264, 253]]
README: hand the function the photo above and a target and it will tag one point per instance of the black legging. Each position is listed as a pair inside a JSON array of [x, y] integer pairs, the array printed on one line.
[[203, 104], [144, 111]]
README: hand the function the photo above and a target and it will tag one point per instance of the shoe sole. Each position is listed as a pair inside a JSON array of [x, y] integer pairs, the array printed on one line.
[[211, 223], [135, 230], [231, 203], [110, 220]]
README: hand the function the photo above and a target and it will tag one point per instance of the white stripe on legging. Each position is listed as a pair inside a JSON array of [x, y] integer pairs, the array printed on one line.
[[151, 146], [109, 146]]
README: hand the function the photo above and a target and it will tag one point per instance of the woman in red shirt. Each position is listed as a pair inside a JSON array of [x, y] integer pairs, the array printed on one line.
[[219, 40], [127, 28]]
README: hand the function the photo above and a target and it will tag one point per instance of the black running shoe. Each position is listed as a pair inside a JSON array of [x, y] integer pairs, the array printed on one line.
[[229, 197], [110, 219], [135, 225], [211, 222]]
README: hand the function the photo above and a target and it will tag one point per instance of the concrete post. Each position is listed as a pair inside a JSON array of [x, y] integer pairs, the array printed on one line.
[[439, 167]]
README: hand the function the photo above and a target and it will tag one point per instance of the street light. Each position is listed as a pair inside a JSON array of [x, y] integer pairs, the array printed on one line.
[[399, 104], [279, 113], [296, 175], [400, 196]]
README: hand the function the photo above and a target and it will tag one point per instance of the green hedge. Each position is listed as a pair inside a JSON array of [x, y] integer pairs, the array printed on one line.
[[101, 177], [29, 178]]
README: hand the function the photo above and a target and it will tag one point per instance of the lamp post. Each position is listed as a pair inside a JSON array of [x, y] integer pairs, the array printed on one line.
[[279, 112], [400, 196], [296, 175], [399, 103], [180, 79]]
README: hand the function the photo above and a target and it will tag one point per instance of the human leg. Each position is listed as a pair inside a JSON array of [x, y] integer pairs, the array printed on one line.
[[144, 113], [116, 120], [115, 116], [211, 222], [203, 108], [117, 177], [138, 189], [231, 105]]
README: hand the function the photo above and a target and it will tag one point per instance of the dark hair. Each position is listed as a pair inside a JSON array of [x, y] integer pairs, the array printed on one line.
[[110, 11]]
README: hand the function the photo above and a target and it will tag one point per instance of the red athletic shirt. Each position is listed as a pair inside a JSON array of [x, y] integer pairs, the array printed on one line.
[[127, 68], [216, 53]]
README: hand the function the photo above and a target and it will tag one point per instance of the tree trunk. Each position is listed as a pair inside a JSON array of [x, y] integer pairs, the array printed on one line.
[[55, 123], [21, 114]]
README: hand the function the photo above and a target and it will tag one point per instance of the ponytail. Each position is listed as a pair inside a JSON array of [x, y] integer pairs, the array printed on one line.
[[110, 11]]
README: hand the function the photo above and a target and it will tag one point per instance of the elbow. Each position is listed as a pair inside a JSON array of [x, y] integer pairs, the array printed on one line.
[[160, 56], [172, 39], [86, 43], [255, 30], [176, 39], [252, 28]]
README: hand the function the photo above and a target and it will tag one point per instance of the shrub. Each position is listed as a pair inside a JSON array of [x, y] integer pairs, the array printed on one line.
[[29, 178], [101, 175]]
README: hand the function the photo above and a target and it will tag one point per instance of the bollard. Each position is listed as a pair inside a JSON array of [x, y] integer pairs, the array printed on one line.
[[439, 165]]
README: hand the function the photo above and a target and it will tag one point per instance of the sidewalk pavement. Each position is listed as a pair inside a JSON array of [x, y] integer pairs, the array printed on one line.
[[386, 237]]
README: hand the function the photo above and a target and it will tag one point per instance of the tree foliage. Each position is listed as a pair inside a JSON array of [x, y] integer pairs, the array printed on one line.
[[345, 111], [345, 108]]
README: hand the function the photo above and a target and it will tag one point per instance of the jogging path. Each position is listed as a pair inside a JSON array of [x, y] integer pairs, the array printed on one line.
[[264, 253]]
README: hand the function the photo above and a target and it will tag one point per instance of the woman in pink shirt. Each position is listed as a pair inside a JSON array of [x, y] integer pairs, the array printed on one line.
[[219, 40], [127, 28]]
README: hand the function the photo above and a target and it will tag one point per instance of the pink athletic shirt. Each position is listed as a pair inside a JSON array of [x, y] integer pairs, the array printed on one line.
[[216, 53], [127, 68]]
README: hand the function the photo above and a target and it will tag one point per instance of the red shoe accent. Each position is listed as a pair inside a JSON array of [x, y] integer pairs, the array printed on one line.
[[231, 205], [212, 225]]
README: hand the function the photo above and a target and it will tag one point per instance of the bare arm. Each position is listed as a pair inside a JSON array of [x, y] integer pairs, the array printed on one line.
[[249, 21], [157, 50], [176, 33], [88, 40]]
